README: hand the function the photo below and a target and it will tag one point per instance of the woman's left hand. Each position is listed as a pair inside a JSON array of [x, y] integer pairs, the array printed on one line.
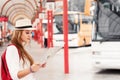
[[43, 65]]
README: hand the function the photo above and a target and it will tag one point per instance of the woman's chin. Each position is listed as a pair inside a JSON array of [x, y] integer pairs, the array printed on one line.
[[28, 41]]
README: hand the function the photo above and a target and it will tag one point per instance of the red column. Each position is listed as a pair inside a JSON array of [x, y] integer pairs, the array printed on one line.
[[4, 20], [4, 30], [41, 33], [5, 27], [65, 27], [50, 28], [38, 33]]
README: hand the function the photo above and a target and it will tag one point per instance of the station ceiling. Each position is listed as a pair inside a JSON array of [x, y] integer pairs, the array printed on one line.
[[18, 9]]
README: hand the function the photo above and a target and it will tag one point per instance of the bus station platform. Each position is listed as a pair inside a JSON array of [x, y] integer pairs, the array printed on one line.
[[79, 63], [79, 69]]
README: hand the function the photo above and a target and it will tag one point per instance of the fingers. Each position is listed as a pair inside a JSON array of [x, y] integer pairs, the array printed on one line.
[[43, 65], [40, 65]]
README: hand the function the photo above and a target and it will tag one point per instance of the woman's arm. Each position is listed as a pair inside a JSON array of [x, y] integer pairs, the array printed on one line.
[[13, 62], [32, 69]]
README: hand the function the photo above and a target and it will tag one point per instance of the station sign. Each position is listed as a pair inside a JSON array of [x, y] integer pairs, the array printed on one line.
[[50, 6], [3, 19], [42, 16], [58, 5]]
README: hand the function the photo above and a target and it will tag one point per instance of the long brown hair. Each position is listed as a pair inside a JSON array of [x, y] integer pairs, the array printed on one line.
[[16, 40]]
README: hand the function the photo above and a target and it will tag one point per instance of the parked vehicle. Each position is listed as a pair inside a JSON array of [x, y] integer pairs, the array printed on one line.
[[106, 35], [79, 29]]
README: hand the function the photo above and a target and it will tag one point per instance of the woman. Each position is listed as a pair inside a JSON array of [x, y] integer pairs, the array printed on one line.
[[20, 64]]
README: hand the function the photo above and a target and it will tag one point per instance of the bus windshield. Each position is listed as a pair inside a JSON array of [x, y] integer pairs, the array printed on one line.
[[107, 20], [72, 26]]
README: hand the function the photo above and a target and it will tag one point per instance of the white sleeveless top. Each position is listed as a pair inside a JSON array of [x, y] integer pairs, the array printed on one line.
[[15, 64]]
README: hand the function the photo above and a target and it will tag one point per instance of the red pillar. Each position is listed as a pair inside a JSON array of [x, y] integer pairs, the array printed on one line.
[[4, 26], [41, 35], [38, 33], [50, 28], [65, 29]]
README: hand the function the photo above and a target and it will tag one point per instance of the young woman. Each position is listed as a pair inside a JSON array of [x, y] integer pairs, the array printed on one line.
[[20, 64]]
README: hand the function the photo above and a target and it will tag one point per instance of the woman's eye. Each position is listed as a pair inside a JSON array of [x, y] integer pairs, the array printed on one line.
[[27, 32]]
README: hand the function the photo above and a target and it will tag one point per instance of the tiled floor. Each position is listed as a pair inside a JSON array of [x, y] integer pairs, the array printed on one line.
[[79, 64], [80, 67]]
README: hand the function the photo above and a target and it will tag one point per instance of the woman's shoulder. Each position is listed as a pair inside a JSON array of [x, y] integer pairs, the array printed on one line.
[[12, 46]]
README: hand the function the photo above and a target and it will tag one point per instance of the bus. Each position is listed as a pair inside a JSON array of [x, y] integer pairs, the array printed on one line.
[[106, 35], [79, 29]]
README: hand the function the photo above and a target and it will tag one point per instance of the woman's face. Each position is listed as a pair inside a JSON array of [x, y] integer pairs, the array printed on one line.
[[26, 35]]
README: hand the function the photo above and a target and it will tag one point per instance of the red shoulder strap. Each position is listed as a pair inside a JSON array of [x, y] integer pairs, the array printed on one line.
[[10, 44], [5, 75]]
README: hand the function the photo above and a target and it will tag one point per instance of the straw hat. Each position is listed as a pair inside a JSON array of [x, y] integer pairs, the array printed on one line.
[[24, 24]]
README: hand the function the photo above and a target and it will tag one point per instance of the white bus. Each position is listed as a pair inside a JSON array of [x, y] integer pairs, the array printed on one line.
[[106, 35], [79, 29]]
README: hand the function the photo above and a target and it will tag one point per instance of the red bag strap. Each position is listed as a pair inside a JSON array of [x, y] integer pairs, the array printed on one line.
[[4, 69]]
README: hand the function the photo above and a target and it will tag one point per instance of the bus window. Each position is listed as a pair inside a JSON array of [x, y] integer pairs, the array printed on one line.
[[72, 26], [79, 34]]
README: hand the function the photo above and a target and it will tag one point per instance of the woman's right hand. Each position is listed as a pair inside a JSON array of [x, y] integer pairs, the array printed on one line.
[[35, 67]]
